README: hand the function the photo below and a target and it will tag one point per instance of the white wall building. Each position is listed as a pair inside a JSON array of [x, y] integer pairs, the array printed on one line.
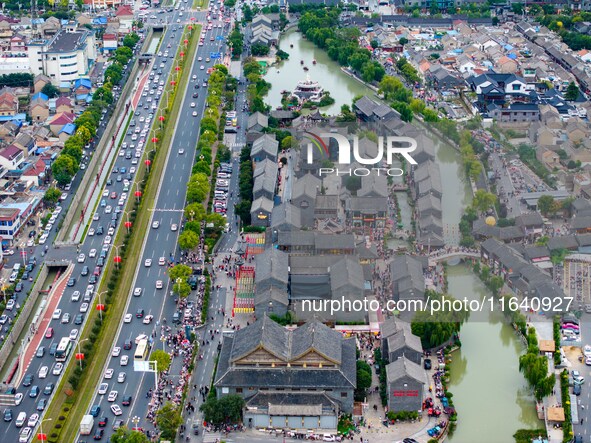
[[65, 57]]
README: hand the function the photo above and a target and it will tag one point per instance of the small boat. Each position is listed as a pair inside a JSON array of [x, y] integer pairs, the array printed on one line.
[[278, 71], [301, 62], [305, 68], [291, 46], [314, 61]]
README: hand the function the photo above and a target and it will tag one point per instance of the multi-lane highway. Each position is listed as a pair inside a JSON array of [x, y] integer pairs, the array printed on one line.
[[172, 192], [160, 242]]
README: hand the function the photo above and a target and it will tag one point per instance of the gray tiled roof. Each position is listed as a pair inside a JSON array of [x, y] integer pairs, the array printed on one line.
[[315, 335], [266, 166], [373, 184], [426, 170], [264, 183], [562, 242], [428, 202], [406, 267], [271, 293], [262, 204], [272, 264], [334, 241], [267, 144], [286, 213], [307, 185], [581, 222], [347, 272], [530, 219], [258, 118], [263, 332], [404, 367], [367, 205]]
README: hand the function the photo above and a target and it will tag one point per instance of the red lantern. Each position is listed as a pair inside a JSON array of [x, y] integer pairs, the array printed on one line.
[[147, 162], [128, 224], [79, 356], [161, 118], [138, 194], [172, 83], [186, 42], [178, 68], [154, 139], [117, 259], [100, 307], [41, 437], [190, 28], [182, 54]]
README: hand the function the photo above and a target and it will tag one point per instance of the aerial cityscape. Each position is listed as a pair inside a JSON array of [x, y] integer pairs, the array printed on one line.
[[277, 220]]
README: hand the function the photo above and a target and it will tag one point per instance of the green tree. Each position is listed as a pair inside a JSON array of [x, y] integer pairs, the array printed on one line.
[[572, 91], [403, 41], [179, 271], [84, 133], [50, 90], [63, 168], [198, 188], [287, 142], [162, 359], [182, 288], [228, 409], [363, 380], [124, 435], [259, 50], [545, 204], [483, 200], [443, 324], [130, 40], [52, 196], [168, 420], [188, 240], [194, 212]]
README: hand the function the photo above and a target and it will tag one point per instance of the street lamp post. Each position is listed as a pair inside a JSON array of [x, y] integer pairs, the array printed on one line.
[[135, 420], [78, 346], [41, 436], [100, 305]]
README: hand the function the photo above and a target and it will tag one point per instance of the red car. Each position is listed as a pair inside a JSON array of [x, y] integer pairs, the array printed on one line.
[[49, 333]]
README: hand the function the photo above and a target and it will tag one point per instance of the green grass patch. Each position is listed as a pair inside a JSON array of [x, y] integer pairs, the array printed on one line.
[[116, 281]]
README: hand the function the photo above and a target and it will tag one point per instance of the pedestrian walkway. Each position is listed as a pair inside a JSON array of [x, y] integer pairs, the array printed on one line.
[[53, 299]]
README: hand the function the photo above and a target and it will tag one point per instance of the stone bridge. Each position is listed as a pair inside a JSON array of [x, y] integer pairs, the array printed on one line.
[[450, 256]]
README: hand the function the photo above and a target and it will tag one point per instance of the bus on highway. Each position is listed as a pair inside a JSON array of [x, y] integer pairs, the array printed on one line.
[[141, 351], [63, 349]]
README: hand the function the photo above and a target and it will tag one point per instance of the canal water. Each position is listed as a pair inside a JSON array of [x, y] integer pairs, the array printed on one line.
[[327, 72], [491, 396]]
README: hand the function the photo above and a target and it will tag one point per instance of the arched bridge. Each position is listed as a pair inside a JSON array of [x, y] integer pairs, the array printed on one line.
[[459, 255]]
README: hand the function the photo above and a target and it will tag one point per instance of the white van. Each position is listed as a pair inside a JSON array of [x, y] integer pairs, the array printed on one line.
[[16, 267], [21, 419]]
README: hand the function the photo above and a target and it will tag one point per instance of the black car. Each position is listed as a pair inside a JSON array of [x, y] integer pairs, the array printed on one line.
[[577, 389], [48, 388], [8, 415], [32, 234], [40, 352], [42, 404], [92, 280], [11, 391], [109, 182], [195, 95], [100, 230], [18, 287], [127, 345], [25, 275], [52, 349], [98, 435], [79, 319], [578, 439], [117, 424], [427, 364], [85, 271], [126, 400], [103, 422], [28, 380], [139, 313], [71, 282], [100, 262]]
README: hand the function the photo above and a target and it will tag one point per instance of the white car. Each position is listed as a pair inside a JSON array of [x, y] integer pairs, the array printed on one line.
[[43, 372], [148, 319], [103, 388], [192, 104], [155, 224], [25, 435], [148, 262], [202, 67], [57, 369], [127, 318], [112, 396], [57, 314], [181, 151], [109, 373], [116, 410], [162, 261], [174, 227], [81, 258], [84, 307], [73, 334], [121, 377], [92, 252], [33, 419], [124, 360], [137, 292], [106, 191], [194, 114], [18, 398], [116, 351], [90, 234], [108, 209], [159, 284], [75, 296], [107, 240], [587, 351]]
